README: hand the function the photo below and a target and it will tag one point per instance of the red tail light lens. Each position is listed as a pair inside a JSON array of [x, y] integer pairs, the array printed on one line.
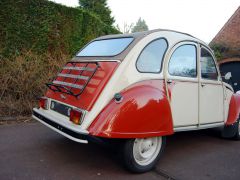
[[75, 116], [43, 103]]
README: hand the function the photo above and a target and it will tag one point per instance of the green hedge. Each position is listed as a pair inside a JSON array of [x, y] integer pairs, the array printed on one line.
[[43, 26], [36, 38]]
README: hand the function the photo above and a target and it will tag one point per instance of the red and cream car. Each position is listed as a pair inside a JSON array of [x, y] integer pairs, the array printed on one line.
[[140, 88]]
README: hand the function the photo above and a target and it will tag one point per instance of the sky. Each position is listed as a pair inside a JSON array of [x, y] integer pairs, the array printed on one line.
[[200, 18]]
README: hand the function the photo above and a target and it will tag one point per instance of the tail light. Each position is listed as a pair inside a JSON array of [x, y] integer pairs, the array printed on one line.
[[43, 103], [75, 116]]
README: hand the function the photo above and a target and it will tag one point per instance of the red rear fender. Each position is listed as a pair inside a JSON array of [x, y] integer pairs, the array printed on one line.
[[234, 109], [143, 112]]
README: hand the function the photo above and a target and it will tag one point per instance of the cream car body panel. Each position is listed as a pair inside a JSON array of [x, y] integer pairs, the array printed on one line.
[[184, 94]]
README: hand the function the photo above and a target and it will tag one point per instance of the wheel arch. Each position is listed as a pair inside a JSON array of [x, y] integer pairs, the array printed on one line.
[[234, 109], [143, 112]]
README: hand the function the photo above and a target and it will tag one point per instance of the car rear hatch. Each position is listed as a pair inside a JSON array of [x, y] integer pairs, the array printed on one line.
[[80, 83]]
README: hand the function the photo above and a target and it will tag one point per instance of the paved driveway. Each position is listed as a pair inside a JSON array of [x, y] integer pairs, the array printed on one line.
[[33, 151]]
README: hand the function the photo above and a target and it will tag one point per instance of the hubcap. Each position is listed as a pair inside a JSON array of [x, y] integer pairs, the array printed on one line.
[[145, 150]]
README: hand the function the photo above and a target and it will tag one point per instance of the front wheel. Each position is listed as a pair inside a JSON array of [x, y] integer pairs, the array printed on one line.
[[237, 135], [142, 154], [232, 131]]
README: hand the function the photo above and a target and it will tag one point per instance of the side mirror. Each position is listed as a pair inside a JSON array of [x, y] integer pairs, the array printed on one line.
[[228, 76]]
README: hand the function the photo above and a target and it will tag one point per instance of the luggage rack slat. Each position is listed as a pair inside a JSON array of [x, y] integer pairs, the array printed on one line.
[[76, 86], [66, 87], [79, 68], [73, 76]]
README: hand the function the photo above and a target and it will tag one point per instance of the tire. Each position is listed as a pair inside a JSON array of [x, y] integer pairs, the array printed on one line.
[[232, 131], [237, 134], [142, 154]]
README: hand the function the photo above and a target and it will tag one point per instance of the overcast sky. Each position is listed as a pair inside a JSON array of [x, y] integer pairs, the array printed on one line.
[[201, 18]]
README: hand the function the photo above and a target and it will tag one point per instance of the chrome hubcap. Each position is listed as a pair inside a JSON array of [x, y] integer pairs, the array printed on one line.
[[145, 150]]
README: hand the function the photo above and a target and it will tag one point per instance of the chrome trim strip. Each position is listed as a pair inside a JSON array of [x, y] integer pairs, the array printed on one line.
[[79, 68], [99, 60], [68, 84], [196, 127], [73, 76]]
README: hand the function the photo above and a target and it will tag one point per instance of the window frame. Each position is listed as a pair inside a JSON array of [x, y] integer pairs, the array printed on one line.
[[163, 57], [133, 39], [174, 49], [213, 57]]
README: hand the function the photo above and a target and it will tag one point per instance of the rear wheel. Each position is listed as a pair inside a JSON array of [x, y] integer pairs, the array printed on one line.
[[142, 154]]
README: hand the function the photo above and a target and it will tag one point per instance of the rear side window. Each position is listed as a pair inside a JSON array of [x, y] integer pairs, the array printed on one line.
[[183, 61], [150, 59], [208, 67]]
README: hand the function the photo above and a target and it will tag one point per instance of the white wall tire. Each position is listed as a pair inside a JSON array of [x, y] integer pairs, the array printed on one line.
[[142, 154]]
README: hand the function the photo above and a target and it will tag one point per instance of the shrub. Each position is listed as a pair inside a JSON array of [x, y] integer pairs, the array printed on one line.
[[23, 80], [42, 26], [36, 39]]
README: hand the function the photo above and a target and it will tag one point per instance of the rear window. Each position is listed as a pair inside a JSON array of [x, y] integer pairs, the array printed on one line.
[[106, 47]]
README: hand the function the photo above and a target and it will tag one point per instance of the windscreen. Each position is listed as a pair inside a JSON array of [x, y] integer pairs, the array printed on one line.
[[106, 47]]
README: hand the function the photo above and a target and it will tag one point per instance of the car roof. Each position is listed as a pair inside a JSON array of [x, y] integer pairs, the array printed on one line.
[[138, 34], [137, 37]]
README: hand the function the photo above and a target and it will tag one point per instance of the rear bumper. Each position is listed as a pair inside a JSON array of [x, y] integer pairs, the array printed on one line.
[[81, 137]]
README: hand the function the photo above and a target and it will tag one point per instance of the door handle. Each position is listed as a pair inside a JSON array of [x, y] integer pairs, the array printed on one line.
[[169, 81], [203, 84]]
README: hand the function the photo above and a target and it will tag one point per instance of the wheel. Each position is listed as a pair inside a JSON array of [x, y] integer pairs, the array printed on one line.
[[237, 134], [232, 131], [141, 154]]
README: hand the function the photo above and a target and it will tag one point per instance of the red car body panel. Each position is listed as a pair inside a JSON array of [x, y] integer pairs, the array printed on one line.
[[144, 112], [234, 109], [93, 89]]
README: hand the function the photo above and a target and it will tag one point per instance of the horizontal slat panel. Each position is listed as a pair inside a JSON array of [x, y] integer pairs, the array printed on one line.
[[68, 84], [73, 76], [79, 68]]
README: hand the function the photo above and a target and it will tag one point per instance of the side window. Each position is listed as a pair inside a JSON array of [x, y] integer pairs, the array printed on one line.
[[208, 67], [150, 59], [183, 61]]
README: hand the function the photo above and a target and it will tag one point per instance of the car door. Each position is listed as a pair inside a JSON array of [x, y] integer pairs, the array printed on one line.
[[211, 93], [182, 81]]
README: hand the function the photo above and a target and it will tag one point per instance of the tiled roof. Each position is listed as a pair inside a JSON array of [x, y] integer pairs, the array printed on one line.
[[229, 35]]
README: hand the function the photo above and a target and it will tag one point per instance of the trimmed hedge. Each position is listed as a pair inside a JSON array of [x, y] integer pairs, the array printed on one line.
[[43, 26]]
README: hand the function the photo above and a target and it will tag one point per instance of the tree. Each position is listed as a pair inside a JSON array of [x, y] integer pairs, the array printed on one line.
[[99, 8], [117, 27], [140, 26], [127, 28]]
